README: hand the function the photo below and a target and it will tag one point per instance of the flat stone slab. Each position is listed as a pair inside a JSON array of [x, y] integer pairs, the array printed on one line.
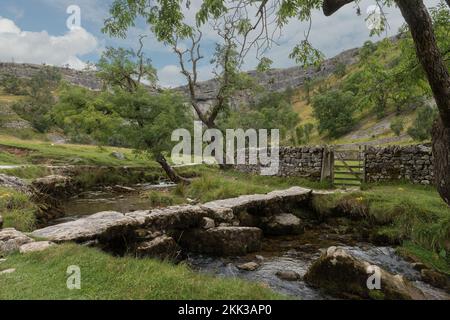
[[35, 246], [110, 225], [176, 217], [225, 210], [11, 240], [106, 225]]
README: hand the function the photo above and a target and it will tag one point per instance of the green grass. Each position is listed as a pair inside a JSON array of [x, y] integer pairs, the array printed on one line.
[[43, 152], [400, 212], [212, 184], [27, 172], [43, 276], [431, 259], [17, 210]]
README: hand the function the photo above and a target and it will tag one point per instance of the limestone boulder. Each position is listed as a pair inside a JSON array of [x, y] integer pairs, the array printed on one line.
[[14, 183], [288, 275], [227, 210], [340, 274], [249, 266], [100, 226], [170, 218], [282, 224], [436, 279], [118, 155], [163, 247], [224, 241], [11, 240], [35, 246]]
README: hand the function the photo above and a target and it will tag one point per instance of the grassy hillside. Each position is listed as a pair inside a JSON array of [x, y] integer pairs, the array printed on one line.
[[17, 151], [368, 127]]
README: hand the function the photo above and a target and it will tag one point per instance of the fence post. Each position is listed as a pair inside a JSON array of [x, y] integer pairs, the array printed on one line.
[[327, 164]]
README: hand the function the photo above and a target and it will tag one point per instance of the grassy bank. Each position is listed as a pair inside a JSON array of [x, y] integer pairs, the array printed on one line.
[[43, 276], [413, 216], [17, 210], [211, 183], [16, 151]]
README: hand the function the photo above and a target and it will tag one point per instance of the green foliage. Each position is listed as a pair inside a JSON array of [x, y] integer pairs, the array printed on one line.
[[367, 50], [334, 111], [340, 70], [12, 84], [397, 126], [306, 55], [151, 119], [264, 65], [125, 69], [17, 210], [423, 124], [272, 111], [38, 104], [160, 199], [303, 133], [88, 117]]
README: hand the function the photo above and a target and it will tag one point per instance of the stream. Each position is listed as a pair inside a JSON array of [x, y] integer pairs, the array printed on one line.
[[286, 253]]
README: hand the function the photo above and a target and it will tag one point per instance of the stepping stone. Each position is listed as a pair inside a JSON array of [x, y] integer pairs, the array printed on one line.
[[7, 271], [35, 246]]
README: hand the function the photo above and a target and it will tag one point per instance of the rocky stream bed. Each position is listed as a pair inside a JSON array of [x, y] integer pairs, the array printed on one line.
[[274, 239]]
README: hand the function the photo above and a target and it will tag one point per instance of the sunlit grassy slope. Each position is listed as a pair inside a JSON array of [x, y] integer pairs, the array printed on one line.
[[18, 151]]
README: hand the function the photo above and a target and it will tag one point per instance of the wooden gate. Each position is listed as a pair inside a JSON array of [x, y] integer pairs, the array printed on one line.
[[348, 166]]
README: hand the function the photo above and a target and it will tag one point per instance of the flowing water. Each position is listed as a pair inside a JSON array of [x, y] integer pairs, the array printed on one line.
[[109, 199], [288, 253], [297, 254]]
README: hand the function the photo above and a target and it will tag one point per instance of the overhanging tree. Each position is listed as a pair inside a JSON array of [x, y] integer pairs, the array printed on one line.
[[166, 17]]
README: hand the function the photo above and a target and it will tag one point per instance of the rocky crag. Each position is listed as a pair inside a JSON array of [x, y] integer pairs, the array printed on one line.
[[274, 80], [87, 79]]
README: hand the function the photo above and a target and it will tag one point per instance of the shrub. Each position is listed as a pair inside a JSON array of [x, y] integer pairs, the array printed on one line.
[[334, 110], [421, 128], [397, 126]]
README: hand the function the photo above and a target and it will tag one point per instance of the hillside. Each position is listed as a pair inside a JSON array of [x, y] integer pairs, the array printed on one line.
[[368, 128]]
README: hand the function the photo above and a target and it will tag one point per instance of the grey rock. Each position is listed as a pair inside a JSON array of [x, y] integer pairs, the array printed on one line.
[[103, 225], [14, 183], [7, 271], [176, 217], [35, 246], [163, 247], [118, 155], [288, 275], [208, 223], [11, 240], [223, 240], [249, 266], [282, 224], [340, 274]]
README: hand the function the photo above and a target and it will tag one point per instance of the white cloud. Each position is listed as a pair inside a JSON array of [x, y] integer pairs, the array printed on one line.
[[170, 76], [40, 47]]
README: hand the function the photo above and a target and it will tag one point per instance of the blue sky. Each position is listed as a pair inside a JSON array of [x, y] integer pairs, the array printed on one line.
[[35, 31]]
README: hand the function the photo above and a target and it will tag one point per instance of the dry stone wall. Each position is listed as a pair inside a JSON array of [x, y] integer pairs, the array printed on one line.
[[412, 163], [294, 161]]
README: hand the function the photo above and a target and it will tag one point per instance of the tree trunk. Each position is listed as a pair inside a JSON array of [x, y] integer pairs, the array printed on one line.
[[441, 143], [171, 173], [420, 24]]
